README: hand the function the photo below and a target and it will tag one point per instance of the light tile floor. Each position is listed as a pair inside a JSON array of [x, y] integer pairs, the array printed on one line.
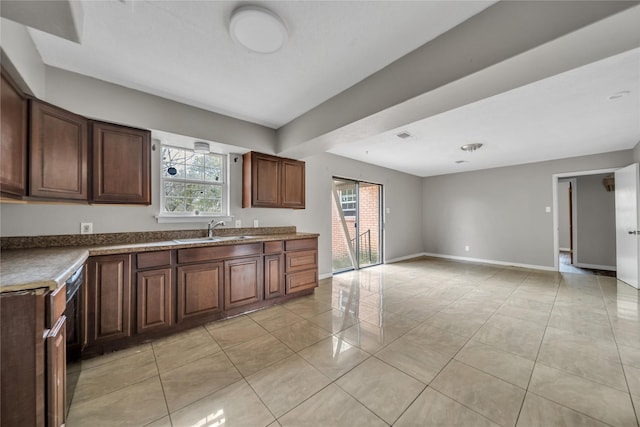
[[419, 343]]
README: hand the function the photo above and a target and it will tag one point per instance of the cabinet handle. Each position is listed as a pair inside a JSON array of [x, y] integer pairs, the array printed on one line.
[[57, 327]]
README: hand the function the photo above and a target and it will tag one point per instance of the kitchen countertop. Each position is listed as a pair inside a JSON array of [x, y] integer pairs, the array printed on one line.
[[35, 268]]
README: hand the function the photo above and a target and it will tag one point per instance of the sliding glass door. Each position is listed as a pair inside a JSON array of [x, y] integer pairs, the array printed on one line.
[[356, 224]]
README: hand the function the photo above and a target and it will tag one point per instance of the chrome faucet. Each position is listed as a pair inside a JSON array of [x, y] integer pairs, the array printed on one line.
[[211, 226]]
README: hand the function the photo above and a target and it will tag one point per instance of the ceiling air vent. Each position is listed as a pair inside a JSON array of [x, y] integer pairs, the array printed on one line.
[[404, 135]]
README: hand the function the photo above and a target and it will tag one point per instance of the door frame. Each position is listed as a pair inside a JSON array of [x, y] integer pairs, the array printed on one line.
[[554, 186], [381, 220]]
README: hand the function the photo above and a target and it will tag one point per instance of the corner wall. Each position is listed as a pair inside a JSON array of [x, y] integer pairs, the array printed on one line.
[[636, 153], [500, 213]]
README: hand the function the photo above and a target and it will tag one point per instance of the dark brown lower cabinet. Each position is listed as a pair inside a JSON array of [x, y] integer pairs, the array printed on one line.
[[33, 362], [109, 298], [199, 289], [57, 373], [242, 282], [273, 276], [154, 299]]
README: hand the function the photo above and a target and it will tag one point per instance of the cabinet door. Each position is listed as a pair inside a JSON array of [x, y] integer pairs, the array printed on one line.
[[13, 142], [109, 285], [242, 282], [57, 374], [59, 153], [265, 180], [301, 281], [292, 184], [22, 359], [273, 276], [199, 290], [154, 300], [121, 164]]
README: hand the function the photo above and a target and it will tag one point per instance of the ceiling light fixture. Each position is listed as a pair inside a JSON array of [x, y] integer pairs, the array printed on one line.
[[201, 147], [619, 95], [470, 147], [258, 29]]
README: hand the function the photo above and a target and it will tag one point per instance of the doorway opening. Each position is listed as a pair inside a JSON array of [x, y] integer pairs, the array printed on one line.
[[356, 223], [584, 224]]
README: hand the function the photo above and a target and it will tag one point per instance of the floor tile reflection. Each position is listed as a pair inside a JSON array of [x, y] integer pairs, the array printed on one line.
[[417, 343]]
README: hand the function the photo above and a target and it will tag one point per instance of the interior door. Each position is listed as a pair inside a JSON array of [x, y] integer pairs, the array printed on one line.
[[627, 183]]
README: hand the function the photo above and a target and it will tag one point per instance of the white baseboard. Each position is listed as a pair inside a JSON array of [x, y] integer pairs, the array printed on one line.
[[488, 261], [325, 276], [594, 266], [404, 258], [565, 249]]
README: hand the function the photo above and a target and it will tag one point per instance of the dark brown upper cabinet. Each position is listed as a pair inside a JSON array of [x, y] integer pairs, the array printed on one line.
[[13, 142], [59, 155], [121, 164], [272, 182]]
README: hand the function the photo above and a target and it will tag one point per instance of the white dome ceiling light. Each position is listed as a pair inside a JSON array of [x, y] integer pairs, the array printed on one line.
[[258, 29]]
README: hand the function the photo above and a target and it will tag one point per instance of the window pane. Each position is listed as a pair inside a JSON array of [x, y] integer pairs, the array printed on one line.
[[213, 161], [195, 172], [213, 175], [173, 204], [213, 192], [173, 189]]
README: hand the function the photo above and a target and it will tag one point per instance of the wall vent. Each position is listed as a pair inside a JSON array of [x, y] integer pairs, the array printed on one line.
[[404, 135]]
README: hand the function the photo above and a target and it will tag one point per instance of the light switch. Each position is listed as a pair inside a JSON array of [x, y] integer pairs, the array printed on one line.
[[547, 209]]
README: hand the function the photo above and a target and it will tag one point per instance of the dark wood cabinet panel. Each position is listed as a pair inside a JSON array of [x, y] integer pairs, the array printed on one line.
[[58, 153], [301, 260], [218, 252], [22, 359], [154, 300], [121, 164], [199, 292], [153, 259], [293, 185], [109, 299], [265, 180], [301, 265], [13, 139], [272, 182], [273, 276], [296, 282], [57, 374], [242, 282]]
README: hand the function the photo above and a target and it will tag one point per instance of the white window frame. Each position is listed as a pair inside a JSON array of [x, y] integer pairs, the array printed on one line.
[[165, 216]]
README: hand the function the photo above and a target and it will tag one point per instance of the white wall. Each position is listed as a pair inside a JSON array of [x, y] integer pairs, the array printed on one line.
[[563, 215], [500, 213], [402, 194], [596, 223]]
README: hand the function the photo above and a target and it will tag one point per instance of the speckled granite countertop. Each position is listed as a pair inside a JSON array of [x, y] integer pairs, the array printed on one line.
[[35, 268]]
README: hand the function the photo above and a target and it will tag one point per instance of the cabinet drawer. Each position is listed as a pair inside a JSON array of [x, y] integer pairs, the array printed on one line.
[[153, 259], [218, 252], [57, 303], [300, 281], [299, 244], [302, 260], [273, 247]]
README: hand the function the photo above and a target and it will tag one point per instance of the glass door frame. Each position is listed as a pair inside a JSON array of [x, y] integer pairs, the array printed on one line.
[[355, 251]]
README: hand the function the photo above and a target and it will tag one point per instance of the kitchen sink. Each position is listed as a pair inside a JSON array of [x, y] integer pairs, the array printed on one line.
[[213, 239]]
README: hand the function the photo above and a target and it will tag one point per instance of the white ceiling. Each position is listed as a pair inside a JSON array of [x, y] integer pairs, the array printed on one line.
[[181, 50], [564, 116]]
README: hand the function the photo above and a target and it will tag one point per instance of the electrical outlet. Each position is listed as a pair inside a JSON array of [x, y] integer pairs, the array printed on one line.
[[86, 228], [238, 223], [255, 223], [466, 248]]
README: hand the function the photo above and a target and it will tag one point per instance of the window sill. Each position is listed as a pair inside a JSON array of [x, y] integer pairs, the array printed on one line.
[[175, 219]]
